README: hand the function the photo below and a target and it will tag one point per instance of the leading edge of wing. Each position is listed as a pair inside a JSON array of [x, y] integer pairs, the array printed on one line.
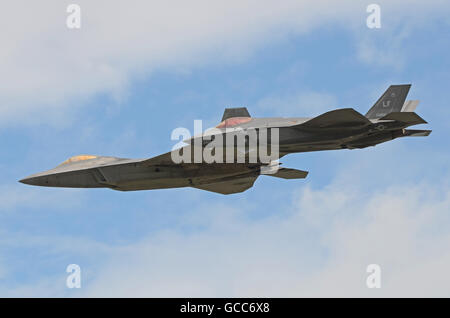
[[163, 159]]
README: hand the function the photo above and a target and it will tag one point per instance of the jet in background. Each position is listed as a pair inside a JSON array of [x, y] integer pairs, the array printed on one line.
[[337, 129]]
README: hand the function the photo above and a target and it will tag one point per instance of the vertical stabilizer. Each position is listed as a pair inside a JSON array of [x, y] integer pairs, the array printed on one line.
[[391, 101]]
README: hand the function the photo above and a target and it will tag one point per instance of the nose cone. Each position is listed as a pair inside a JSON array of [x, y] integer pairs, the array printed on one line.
[[24, 180], [30, 181], [36, 181]]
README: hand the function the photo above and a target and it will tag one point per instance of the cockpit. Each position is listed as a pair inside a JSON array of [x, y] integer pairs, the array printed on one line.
[[234, 121], [78, 158]]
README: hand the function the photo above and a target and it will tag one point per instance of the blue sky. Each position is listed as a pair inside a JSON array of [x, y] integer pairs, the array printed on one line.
[[119, 87]]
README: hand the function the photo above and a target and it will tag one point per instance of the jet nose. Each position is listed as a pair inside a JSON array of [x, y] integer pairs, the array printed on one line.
[[37, 181], [30, 181]]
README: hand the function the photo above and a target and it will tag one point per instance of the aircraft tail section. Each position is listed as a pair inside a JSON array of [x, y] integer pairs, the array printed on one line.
[[393, 100], [416, 132], [289, 173], [410, 105], [410, 118]]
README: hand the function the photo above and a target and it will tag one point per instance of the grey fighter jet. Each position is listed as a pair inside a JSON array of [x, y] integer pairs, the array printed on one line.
[[337, 129]]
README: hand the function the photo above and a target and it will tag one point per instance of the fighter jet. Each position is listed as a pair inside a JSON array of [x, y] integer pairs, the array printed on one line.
[[337, 129]]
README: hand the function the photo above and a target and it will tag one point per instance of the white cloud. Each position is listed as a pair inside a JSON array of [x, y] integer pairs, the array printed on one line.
[[386, 48], [309, 103], [3, 271], [45, 67], [51, 255], [15, 197], [321, 248]]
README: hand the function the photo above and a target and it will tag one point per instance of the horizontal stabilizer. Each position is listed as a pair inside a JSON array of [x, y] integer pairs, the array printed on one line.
[[405, 117], [287, 173], [339, 118], [417, 133], [410, 105]]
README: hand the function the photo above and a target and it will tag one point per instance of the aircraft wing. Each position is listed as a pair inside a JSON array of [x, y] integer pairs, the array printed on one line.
[[161, 160], [240, 183], [232, 185], [166, 158], [339, 118]]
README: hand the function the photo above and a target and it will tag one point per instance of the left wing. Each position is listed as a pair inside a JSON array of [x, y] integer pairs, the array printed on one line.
[[240, 183], [162, 160], [339, 118], [231, 185]]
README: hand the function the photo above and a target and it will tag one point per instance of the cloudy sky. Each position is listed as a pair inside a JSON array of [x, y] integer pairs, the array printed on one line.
[[138, 69]]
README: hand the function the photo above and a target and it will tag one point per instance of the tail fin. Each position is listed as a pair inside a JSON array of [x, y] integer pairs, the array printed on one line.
[[410, 105], [391, 101], [235, 112]]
